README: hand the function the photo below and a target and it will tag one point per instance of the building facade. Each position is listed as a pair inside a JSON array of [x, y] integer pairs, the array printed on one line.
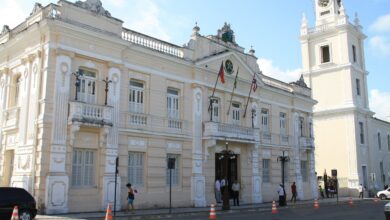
[[79, 90], [347, 136]]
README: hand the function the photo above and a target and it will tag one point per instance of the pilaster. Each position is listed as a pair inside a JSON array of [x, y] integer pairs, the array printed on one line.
[[296, 159], [198, 181], [57, 180], [312, 175], [256, 178], [109, 141]]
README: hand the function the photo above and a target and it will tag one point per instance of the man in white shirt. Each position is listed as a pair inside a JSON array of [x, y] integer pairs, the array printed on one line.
[[281, 194], [218, 191], [236, 193], [360, 188]]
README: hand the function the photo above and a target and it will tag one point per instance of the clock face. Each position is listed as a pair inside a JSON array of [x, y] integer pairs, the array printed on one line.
[[229, 66], [323, 3]]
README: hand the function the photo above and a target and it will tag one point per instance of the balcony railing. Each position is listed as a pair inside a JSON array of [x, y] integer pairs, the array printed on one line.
[[11, 117], [306, 142], [221, 130], [152, 43], [153, 123], [90, 114]]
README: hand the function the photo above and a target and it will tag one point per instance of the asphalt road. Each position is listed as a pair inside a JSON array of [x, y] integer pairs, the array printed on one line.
[[362, 211]]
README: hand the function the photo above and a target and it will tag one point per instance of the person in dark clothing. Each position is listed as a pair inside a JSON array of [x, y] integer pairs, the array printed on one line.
[[294, 192]]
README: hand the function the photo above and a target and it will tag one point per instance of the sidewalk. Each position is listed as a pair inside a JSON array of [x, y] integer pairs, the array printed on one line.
[[164, 213]]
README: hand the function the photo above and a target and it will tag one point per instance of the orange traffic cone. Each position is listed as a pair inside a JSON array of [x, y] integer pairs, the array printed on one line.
[[316, 205], [212, 212], [108, 212], [274, 210], [15, 214], [350, 201]]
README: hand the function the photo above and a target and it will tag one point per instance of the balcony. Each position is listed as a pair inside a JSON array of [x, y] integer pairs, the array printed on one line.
[[153, 123], [306, 142], [94, 115], [229, 131], [11, 118]]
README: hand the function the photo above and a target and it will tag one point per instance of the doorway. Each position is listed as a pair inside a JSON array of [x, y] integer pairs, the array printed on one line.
[[232, 169]]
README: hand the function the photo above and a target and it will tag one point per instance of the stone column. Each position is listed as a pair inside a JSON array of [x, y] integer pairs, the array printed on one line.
[[3, 95], [57, 180], [198, 181], [256, 178], [297, 157], [312, 175], [111, 136]]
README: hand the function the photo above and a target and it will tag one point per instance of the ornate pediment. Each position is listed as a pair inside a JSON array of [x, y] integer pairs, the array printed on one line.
[[37, 7], [226, 34], [5, 30], [300, 82], [95, 6]]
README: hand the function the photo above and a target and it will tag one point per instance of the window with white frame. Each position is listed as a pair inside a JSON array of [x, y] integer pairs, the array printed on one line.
[[266, 170], [301, 126], [175, 172], [358, 86], [136, 97], [388, 142], [304, 171], [215, 109], [265, 119], [83, 168], [236, 113], [325, 54], [173, 103], [361, 131], [379, 141], [18, 83], [136, 168], [283, 123], [86, 91], [354, 53]]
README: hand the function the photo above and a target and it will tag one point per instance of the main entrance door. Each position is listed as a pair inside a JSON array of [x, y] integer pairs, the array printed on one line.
[[232, 169]]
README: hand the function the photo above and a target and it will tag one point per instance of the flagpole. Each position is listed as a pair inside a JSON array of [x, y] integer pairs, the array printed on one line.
[[234, 88], [215, 86], [249, 96]]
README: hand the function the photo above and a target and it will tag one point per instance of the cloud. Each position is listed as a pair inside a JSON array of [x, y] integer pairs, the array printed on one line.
[[268, 69], [380, 104], [380, 44], [381, 24], [146, 18], [12, 13], [117, 2]]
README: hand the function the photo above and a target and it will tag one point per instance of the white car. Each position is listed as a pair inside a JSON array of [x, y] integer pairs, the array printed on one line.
[[384, 194]]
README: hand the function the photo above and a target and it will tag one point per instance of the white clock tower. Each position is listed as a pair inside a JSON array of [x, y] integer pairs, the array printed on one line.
[[334, 68]]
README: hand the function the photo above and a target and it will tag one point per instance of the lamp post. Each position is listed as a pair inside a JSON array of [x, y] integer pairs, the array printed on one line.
[[284, 159], [226, 156], [77, 74], [106, 81]]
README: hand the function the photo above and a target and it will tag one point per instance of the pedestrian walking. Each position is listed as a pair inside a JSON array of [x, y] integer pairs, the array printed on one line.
[[361, 191], [294, 192], [281, 194], [236, 193], [321, 191], [223, 185], [218, 191], [130, 198]]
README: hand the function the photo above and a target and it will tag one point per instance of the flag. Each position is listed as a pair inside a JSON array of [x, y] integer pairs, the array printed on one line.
[[235, 80], [254, 84], [221, 73]]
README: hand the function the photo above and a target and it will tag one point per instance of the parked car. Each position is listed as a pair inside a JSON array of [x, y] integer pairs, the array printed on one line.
[[11, 197], [387, 211], [384, 194]]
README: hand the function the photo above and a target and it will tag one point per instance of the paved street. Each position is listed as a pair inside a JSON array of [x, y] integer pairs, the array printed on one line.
[[361, 211], [329, 209]]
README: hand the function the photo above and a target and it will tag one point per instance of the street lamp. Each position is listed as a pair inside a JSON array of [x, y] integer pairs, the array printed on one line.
[[283, 159], [227, 154], [106, 81], [77, 74]]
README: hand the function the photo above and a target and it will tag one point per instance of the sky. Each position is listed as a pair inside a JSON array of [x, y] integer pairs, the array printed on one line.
[[272, 27]]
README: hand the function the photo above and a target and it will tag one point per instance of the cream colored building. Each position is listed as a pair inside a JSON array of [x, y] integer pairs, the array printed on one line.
[[347, 137], [61, 145]]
